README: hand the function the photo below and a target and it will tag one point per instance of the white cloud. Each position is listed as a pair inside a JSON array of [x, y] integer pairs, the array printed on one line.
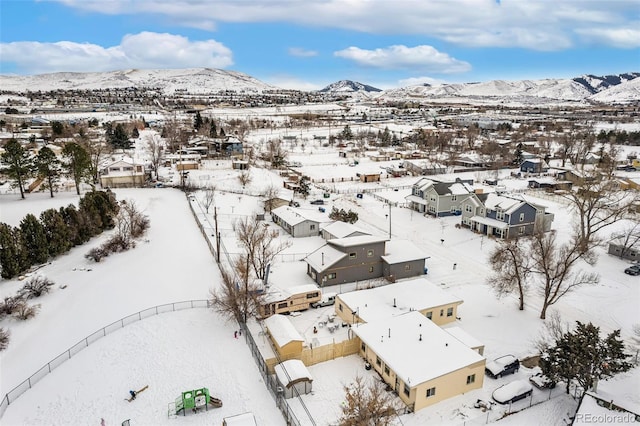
[[290, 82], [531, 24], [624, 38], [301, 52], [422, 58], [143, 50]]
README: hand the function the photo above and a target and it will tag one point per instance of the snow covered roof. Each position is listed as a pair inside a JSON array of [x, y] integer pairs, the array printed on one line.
[[325, 257], [416, 199], [506, 204], [281, 330], [244, 419], [275, 294], [490, 222], [402, 251], [342, 229], [357, 241], [291, 372], [417, 294], [418, 350], [291, 216], [464, 337]]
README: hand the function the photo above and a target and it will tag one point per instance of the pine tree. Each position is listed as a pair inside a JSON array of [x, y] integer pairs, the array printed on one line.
[[18, 164], [12, 254], [34, 240], [56, 231], [101, 208], [213, 131], [135, 134], [304, 186], [80, 231], [197, 121], [119, 139], [581, 355], [48, 167], [77, 164]]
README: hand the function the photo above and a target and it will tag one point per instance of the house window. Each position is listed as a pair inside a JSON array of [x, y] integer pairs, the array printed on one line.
[[454, 198], [471, 379], [499, 215], [331, 276], [407, 390], [386, 370], [467, 208], [449, 312], [429, 314], [364, 349], [521, 217], [433, 198], [441, 312], [521, 230], [378, 361], [407, 267], [127, 169], [370, 269], [370, 253], [312, 295], [353, 255], [313, 275], [431, 392], [312, 227], [340, 307], [282, 305]]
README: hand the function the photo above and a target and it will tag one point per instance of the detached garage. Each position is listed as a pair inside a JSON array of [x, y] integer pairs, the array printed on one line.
[[293, 374]]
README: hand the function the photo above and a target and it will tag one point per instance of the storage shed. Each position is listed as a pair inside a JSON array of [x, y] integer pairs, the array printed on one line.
[[293, 378]]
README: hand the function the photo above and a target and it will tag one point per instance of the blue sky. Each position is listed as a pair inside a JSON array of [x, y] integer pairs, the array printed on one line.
[[307, 44]]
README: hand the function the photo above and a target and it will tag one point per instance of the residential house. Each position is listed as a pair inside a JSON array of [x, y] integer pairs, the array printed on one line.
[[339, 229], [290, 299], [505, 216], [418, 294], [534, 165], [550, 184], [419, 360], [122, 174], [618, 248], [439, 198], [274, 203], [369, 177], [404, 260], [298, 223], [284, 336], [423, 167]]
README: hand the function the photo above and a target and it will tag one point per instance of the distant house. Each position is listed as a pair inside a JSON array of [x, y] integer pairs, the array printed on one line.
[[423, 167], [295, 221], [291, 299], [340, 229], [618, 248], [420, 361], [284, 336], [502, 216], [240, 164], [274, 203], [363, 257], [439, 198], [534, 165], [550, 184], [122, 174], [369, 177]]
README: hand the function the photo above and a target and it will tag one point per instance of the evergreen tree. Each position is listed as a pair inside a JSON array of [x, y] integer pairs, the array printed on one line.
[[135, 134], [119, 138], [18, 164], [80, 231], [34, 240], [213, 131], [346, 133], [304, 186], [57, 128], [56, 231], [12, 254], [77, 164], [581, 355], [100, 208], [48, 167], [197, 121], [221, 134], [517, 156]]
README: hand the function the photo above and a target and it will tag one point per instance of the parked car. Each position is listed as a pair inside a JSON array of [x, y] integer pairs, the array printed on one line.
[[327, 300], [507, 364], [512, 392], [541, 381], [633, 270], [317, 202]]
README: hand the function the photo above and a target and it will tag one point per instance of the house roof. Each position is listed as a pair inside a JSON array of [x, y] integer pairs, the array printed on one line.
[[506, 204], [291, 372], [417, 349], [416, 294], [281, 330], [452, 188], [324, 258], [463, 336], [342, 229], [291, 215], [402, 251], [490, 222], [356, 241], [416, 199], [276, 294]]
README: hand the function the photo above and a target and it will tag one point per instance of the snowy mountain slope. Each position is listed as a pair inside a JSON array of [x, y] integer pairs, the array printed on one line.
[[596, 84], [349, 86], [624, 92], [192, 80]]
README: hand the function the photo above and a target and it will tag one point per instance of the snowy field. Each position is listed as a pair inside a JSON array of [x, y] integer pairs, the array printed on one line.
[[195, 348]]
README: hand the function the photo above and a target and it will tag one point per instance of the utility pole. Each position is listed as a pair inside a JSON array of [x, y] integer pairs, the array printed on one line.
[[215, 220], [389, 220]]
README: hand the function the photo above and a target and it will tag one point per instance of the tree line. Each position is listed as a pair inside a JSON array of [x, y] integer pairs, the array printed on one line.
[[56, 231]]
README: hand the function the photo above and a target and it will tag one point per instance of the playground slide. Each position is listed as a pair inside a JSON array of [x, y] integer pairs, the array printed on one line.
[[217, 403]]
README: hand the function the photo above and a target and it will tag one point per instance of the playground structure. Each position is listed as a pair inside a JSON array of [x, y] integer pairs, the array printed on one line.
[[193, 400]]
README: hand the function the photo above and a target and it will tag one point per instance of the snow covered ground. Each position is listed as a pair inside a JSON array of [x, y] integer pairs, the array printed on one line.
[[195, 348]]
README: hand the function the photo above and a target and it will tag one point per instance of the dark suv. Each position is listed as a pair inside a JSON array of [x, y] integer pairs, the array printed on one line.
[[633, 270], [502, 366]]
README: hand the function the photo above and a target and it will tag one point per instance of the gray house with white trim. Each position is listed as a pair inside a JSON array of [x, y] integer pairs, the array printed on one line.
[[439, 198], [296, 222]]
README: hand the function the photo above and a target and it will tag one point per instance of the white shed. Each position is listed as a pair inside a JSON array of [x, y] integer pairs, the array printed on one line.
[[293, 374]]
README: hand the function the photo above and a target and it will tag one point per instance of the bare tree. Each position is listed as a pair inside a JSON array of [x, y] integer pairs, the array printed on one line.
[[5, 336], [131, 223], [245, 178], [554, 329], [510, 263], [209, 196], [238, 298], [555, 266], [368, 405], [628, 238], [597, 204], [259, 243], [275, 154], [270, 194], [155, 147]]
